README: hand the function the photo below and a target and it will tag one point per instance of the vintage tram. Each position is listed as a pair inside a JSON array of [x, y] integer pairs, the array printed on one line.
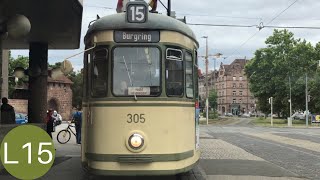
[[140, 95]]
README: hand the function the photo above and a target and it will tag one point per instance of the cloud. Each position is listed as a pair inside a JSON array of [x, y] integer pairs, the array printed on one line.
[[226, 40]]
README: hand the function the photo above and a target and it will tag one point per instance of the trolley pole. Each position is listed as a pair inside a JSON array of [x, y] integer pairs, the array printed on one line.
[[206, 81], [169, 8]]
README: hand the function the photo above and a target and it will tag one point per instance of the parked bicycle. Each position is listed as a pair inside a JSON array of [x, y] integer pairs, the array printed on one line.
[[64, 135]]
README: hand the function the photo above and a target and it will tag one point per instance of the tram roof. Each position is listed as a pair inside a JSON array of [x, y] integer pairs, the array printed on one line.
[[154, 22]]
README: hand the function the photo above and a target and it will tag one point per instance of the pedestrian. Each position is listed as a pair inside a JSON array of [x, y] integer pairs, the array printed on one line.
[[49, 122], [77, 119], [7, 112]]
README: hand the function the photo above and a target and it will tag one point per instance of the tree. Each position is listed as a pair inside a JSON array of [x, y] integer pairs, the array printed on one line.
[[56, 65], [269, 71], [20, 61], [213, 99], [77, 88]]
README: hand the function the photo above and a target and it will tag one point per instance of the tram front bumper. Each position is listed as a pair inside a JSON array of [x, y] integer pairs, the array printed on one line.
[[142, 169]]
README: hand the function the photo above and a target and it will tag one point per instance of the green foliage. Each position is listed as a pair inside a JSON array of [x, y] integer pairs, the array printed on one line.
[[213, 99], [56, 65], [269, 71], [211, 114], [77, 88], [20, 61]]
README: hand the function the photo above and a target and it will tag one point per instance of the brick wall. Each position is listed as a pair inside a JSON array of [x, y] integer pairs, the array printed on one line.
[[59, 92], [20, 105], [62, 94]]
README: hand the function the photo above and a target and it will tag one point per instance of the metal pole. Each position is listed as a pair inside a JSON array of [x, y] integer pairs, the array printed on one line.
[[271, 111], [207, 89], [169, 8], [214, 75], [307, 113], [290, 97]]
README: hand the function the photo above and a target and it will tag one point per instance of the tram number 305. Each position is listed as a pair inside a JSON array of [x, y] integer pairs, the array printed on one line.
[[136, 118]]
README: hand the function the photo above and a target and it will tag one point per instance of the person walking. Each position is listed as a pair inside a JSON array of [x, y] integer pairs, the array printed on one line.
[[49, 122], [7, 112], [77, 118]]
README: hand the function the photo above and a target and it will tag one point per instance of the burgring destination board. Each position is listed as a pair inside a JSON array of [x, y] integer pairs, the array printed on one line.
[[137, 36]]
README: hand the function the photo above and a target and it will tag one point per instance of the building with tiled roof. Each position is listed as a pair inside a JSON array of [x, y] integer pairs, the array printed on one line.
[[232, 88]]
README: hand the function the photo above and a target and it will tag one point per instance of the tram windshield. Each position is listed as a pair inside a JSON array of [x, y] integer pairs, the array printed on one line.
[[136, 71]]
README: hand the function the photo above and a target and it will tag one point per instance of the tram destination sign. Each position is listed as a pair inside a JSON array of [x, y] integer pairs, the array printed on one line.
[[137, 36]]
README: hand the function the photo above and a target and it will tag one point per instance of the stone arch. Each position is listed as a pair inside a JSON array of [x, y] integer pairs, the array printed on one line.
[[223, 109], [53, 103]]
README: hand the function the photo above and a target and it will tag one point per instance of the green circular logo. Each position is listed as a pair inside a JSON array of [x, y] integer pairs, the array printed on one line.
[[27, 152]]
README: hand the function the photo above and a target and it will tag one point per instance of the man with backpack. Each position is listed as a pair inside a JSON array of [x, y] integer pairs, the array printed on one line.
[[77, 119]]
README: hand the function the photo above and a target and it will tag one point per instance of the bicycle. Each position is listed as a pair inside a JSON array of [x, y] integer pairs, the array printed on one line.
[[64, 135]]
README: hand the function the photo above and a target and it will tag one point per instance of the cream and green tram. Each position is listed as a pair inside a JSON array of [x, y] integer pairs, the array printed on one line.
[[140, 100]]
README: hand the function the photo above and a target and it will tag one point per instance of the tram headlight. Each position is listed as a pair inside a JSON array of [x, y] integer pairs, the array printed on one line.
[[136, 141]]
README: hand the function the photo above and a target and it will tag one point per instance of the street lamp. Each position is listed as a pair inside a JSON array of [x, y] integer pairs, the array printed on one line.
[[307, 99], [206, 79]]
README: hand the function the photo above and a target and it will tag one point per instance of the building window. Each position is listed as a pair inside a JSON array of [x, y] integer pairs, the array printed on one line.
[[219, 101], [222, 85], [234, 78], [219, 93], [234, 101], [217, 86], [234, 93], [222, 101], [234, 85], [240, 93], [240, 100], [240, 78], [240, 85]]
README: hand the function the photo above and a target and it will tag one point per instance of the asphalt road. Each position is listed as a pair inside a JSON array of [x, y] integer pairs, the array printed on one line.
[[281, 152], [237, 151]]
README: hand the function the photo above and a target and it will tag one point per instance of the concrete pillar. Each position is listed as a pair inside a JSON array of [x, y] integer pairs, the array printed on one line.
[[38, 75], [5, 74], [0, 68]]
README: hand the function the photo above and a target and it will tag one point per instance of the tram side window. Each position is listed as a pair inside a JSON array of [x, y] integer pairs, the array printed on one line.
[[86, 63], [189, 75], [174, 72], [196, 75], [99, 73]]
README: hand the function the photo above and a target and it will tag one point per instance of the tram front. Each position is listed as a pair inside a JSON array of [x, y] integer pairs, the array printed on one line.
[[140, 98]]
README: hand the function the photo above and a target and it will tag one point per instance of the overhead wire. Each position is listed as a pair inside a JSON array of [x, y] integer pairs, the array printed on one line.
[[221, 25], [252, 36]]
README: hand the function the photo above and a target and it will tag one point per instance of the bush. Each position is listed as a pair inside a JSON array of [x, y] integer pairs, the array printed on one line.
[[212, 114]]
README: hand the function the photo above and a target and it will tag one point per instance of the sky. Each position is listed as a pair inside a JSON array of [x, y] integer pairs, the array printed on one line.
[[232, 42]]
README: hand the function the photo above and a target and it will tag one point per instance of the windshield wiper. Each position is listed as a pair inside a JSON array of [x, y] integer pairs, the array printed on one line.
[[129, 76]]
